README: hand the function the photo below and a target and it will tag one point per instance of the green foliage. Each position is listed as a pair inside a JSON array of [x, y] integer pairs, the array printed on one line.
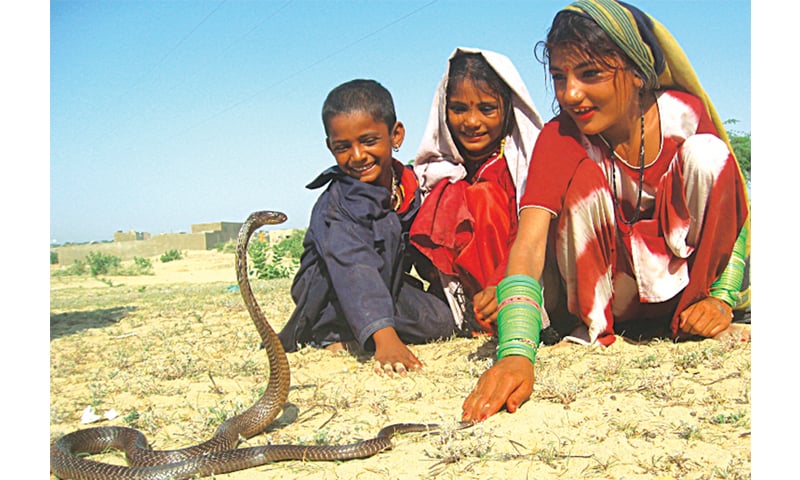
[[293, 244], [76, 269], [143, 265], [267, 263], [101, 263], [740, 142], [276, 261], [729, 418], [132, 418], [53, 257], [171, 255]]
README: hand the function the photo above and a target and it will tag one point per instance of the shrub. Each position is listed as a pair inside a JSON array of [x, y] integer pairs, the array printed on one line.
[[101, 263], [53, 257], [143, 263], [277, 261], [266, 261], [171, 255], [142, 266], [77, 268], [292, 245]]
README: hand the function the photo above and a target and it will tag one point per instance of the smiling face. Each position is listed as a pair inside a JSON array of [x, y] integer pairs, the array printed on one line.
[[362, 146], [475, 119], [602, 97]]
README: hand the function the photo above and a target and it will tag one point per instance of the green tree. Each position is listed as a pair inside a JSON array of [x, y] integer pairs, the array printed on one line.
[[740, 141]]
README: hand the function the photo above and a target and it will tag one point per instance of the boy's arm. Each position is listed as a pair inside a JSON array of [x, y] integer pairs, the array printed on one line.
[[354, 271], [356, 274]]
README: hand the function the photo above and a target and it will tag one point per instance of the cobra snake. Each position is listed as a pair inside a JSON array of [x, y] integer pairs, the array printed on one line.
[[219, 454]]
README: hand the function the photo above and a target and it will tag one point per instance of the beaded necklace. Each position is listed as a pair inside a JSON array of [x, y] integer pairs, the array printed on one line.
[[397, 192], [617, 208]]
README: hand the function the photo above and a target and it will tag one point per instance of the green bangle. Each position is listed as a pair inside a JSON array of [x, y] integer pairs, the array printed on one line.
[[519, 316], [728, 285]]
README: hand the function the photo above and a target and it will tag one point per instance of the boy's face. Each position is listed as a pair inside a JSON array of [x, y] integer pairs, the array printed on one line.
[[362, 146]]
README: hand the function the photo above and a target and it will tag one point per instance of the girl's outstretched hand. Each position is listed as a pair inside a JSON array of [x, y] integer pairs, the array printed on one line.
[[509, 382]]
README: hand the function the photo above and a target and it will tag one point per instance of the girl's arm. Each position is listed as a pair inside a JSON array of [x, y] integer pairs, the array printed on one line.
[[527, 254], [510, 381]]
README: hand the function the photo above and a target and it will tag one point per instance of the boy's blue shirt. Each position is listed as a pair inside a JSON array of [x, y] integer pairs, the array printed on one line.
[[353, 258]]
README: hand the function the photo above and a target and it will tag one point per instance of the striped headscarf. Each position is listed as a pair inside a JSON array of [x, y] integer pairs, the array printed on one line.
[[650, 47]]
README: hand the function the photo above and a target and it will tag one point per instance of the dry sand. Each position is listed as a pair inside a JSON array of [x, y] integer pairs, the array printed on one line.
[[174, 366]]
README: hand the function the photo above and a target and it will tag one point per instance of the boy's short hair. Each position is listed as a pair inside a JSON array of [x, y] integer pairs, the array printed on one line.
[[360, 95]]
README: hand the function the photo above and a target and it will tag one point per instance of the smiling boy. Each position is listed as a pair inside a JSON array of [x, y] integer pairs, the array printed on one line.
[[352, 283]]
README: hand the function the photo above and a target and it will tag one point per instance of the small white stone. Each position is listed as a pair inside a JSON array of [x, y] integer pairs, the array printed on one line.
[[88, 415], [111, 414]]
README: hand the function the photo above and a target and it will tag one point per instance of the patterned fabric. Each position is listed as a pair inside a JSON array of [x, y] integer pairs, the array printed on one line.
[[635, 32], [680, 245], [644, 39]]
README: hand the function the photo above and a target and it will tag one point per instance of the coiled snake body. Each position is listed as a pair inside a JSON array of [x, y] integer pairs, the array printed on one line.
[[218, 454]]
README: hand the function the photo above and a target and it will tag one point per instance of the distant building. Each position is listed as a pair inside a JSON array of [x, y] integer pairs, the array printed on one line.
[[126, 245], [120, 236]]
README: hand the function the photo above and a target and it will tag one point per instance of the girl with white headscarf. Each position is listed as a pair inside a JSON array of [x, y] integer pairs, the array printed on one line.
[[472, 165]]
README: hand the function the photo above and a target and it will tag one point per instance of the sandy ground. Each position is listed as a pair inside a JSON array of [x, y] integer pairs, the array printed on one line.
[[660, 410]]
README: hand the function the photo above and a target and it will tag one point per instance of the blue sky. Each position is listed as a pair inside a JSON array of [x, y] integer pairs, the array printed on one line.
[[168, 113]]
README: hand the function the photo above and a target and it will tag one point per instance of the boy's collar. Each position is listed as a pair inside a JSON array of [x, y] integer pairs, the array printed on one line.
[[325, 177]]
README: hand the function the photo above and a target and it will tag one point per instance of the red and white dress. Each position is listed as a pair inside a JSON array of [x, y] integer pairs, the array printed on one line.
[[692, 209]]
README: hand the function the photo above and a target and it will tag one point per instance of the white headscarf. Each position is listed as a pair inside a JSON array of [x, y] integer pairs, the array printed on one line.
[[438, 158]]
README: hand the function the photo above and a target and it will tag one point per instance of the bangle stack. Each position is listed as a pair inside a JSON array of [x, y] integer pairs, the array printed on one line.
[[728, 285], [519, 316]]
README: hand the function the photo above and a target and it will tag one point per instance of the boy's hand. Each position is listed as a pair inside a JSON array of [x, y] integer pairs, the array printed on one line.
[[485, 304], [708, 317], [392, 355]]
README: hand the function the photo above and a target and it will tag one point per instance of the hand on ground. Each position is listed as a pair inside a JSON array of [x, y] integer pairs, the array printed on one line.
[[509, 382], [392, 355], [708, 317]]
